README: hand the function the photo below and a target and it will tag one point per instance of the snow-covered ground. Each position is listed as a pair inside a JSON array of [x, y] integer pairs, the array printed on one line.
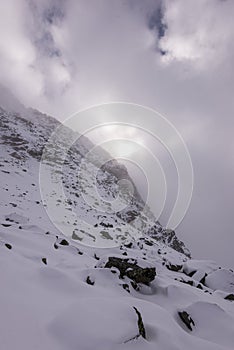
[[58, 292]]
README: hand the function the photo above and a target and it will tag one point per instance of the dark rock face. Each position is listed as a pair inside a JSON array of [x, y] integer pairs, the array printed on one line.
[[186, 318], [120, 172], [168, 237], [116, 180], [132, 270], [128, 215]]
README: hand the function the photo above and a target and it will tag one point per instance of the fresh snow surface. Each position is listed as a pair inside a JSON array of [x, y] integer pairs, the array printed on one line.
[[61, 297]]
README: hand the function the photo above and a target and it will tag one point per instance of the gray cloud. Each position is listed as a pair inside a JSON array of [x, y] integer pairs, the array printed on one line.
[[174, 56]]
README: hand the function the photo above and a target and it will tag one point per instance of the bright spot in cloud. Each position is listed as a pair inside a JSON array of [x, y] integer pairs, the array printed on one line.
[[126, 139]]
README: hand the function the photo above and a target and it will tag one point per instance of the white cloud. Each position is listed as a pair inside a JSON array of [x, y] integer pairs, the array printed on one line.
[[198, 31], [17, 54]]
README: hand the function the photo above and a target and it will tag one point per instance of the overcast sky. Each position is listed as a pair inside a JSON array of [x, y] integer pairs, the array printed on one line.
[[175, 56]]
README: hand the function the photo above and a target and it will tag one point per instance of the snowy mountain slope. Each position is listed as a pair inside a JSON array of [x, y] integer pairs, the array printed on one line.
[[23, 142], [60, 293]]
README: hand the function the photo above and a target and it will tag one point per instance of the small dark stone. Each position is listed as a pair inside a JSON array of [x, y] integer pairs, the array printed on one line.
[[7, 245], [44, 261], [229, 297], [128, 245], [199, 286], [55, 246], [64, 242], [186, 318], [13, 205], [174, 268], [96, 257], [126, 287], [89, 281]]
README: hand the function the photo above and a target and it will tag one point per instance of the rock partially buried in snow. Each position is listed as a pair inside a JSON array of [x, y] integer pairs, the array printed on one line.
[[95, 323], [187, 319], [132, 270], [90, 281], [141, 326], [63, 242], [213, 323], [229, 297], [7, 245], [173, 267], [44, 260]]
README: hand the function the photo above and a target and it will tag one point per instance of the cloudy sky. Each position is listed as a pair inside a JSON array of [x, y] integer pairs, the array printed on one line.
[[175, 56]]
